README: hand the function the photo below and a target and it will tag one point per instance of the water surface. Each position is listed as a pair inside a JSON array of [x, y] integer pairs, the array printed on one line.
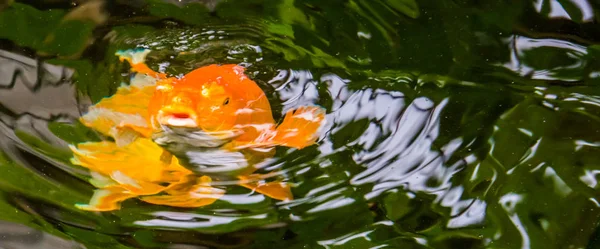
[[451, 124]]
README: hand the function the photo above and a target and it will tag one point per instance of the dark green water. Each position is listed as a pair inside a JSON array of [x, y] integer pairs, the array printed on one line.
[[451, 123]]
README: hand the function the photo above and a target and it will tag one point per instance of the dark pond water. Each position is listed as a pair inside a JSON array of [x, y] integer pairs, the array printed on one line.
[[450, 123]]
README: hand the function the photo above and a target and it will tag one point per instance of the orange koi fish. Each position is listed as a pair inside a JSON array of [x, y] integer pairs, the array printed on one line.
[[231, 111]]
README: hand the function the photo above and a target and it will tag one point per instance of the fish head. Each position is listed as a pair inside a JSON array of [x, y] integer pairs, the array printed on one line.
[[208, 106]]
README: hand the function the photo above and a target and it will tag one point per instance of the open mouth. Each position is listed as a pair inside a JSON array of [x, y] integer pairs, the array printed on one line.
[[177, 118]]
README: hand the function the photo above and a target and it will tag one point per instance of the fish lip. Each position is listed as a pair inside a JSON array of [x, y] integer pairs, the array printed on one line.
[[177, 117], [178, 122]]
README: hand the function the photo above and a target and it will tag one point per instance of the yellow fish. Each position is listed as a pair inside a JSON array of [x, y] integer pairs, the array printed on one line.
[[219, 100]]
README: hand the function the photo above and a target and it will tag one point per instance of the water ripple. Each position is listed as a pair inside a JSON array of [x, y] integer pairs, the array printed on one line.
[[404, 159]]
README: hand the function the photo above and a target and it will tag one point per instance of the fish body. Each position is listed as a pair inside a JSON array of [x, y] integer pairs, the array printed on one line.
[[215, 120]]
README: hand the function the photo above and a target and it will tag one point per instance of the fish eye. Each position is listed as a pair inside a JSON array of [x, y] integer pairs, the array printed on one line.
[[226, 101]]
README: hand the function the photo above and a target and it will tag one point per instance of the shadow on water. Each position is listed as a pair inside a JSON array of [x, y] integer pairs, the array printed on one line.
[[448, 125]]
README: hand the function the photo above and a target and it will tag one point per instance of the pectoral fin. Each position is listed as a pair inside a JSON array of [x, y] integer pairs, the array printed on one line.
[[300, 127], [277, 190]]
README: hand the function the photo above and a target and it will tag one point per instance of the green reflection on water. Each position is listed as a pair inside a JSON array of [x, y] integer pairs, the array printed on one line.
[[523, 102]]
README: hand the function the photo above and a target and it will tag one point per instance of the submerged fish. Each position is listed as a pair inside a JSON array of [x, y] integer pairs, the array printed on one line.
[[216, 113]]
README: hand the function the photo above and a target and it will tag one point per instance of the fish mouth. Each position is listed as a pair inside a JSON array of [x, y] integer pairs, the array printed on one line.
[[177, 117]]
